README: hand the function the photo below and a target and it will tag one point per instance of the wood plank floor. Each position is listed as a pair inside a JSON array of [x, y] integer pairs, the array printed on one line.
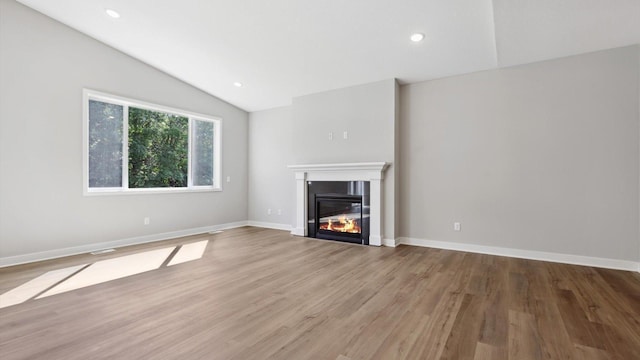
[[263, 294]]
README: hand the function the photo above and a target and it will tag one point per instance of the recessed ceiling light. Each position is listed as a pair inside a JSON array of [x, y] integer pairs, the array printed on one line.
[[417, 37], [114, 14], [237, 84]]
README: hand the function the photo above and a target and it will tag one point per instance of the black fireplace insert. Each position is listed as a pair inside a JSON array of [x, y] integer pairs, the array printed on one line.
[[341, 214], [339, 217]]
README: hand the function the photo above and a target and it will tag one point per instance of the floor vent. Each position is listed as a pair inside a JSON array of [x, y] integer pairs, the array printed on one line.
[[104, 251], [215, 232]]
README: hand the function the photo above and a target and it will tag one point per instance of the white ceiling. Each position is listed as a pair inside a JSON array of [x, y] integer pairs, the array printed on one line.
[[280, 49]]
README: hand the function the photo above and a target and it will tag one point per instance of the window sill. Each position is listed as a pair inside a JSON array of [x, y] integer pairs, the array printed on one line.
[[117, 192]]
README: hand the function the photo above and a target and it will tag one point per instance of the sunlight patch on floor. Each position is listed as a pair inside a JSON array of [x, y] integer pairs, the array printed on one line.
[[80, 276], [112, 269], [35, 286], [189, 252]]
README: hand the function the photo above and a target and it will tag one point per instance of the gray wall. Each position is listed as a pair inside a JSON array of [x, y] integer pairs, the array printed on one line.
[[537, 157], [44, 66], [397, 163], [299, 135], [368, 113], [271, 183]]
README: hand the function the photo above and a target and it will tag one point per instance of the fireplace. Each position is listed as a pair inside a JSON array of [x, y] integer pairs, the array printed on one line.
[[359, 179], [339, 210]]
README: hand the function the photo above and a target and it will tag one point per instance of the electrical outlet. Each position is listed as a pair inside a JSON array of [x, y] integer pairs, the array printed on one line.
[[330, 135], [345, 135], [456, 226], [228, 178], [279, 211], [268, 211], [147, 220]]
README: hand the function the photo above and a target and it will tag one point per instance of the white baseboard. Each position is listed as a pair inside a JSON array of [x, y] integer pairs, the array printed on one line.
[[269, 225], [389, 242], [526, 254], [57, 253]]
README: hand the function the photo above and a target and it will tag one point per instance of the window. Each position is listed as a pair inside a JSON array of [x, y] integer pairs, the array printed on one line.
[[131, 146]]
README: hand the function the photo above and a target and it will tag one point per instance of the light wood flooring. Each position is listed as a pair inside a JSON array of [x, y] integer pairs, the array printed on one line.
[[264, 294]]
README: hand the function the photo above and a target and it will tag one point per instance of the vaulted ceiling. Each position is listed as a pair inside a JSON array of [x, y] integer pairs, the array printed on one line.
[[280, 49]]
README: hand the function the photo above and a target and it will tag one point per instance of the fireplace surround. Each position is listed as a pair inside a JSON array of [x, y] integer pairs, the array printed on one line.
[[372, 173]]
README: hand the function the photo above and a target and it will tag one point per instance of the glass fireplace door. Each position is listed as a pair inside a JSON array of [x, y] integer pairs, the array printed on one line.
[[339, 217]]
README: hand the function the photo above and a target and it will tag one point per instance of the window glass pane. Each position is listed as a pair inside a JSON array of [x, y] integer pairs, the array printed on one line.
[[105, 144], [202, 153], [158, 149]]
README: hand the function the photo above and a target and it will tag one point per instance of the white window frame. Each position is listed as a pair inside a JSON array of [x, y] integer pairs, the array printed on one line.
[[88, 94]]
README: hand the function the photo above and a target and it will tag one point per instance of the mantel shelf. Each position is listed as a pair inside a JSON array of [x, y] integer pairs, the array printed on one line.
[[367, 166]]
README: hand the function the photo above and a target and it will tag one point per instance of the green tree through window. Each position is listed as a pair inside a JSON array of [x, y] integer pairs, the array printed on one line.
[[105, 145], [203, 153], [158, 149]]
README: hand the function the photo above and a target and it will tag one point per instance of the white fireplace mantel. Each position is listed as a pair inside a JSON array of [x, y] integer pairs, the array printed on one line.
[[372, 172]]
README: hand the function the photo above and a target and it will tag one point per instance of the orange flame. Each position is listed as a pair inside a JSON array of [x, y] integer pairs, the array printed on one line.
[[344, 224]]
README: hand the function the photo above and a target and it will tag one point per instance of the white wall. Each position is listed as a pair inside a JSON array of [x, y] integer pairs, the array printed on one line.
[[541, 157], [271, 183], [44, 66], [368, 113]]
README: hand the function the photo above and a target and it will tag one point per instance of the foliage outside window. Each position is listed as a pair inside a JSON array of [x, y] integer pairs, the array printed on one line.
[[132, 146]]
